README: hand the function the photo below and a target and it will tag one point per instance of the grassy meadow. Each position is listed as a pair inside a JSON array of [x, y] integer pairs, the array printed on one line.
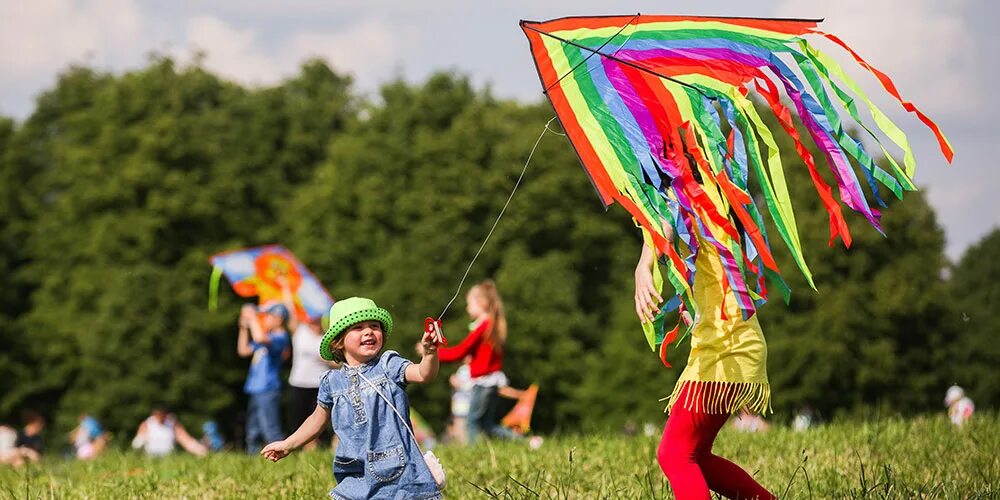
[[888, 458]]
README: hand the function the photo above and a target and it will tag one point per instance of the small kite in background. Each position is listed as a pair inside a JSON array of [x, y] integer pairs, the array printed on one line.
[[257, 272], [519, 417]]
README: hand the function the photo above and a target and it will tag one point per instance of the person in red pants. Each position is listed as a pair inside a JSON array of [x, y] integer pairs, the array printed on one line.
[[726, 372]]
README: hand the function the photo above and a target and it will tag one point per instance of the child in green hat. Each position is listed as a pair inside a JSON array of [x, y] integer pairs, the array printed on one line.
[[365, 399]]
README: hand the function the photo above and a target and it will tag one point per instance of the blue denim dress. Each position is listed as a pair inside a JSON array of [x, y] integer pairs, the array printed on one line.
[[376, 457]]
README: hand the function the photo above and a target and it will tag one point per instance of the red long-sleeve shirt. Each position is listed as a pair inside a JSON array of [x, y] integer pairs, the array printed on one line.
[[486, 359]]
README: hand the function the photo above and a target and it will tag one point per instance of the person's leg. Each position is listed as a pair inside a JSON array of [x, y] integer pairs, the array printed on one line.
[[253, 424], [477, 410], [723, 476], [730, 480], [458, 430], [308, 406], [491, 420], [271, 416], [295, 407], [677, 455]]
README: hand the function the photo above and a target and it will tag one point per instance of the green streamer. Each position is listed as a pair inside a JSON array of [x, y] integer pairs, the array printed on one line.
[[213, 288]]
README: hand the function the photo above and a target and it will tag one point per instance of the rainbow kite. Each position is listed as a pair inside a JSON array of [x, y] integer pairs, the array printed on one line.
[[255, 272], [658, 110]]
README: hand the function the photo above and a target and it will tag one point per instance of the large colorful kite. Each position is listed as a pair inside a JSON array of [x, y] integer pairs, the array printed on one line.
[[659, 111], [256, 272]]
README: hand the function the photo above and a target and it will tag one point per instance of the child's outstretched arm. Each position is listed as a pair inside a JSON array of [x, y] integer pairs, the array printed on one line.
[[427, 369], [305, 433]]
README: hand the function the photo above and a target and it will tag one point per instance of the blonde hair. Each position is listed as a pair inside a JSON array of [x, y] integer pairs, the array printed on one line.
[[337, 349], [496, 336]]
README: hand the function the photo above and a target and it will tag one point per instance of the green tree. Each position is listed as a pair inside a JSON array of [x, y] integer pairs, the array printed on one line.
[[974, 351]]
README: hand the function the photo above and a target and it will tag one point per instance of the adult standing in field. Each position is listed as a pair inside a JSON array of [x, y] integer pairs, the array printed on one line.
[[262, 337], [308, 367], [725, 373]]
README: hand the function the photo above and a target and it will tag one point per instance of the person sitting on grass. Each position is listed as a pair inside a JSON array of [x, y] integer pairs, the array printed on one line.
[[9, 452], [211, 438], [87, 437], [158, 434], [365, 399], [28, 443]]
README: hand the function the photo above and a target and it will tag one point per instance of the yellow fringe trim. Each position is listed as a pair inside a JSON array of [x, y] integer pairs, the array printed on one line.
[[722, 397]]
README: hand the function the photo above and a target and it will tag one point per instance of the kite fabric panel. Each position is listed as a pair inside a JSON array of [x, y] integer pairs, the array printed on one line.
[[518, 418], [659, 111], [255, 272]]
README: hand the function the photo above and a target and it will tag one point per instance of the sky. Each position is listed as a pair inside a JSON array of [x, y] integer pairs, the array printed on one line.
[[941, 54]]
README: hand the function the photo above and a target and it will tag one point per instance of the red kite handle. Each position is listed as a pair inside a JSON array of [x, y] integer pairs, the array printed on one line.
[[433, 326]]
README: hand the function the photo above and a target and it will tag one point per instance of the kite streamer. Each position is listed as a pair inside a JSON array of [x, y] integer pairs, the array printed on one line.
[[659, 111]]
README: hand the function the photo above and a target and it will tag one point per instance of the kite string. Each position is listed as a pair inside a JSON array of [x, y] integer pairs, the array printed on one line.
[[458, 290]]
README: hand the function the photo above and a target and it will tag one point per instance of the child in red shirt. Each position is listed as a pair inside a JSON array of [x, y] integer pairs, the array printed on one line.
[[485, 343]]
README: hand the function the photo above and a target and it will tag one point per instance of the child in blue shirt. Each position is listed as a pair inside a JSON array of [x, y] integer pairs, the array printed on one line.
[[263, 339], [365, 400]]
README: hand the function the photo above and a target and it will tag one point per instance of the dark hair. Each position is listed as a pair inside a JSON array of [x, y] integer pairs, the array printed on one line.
[[32, 417]]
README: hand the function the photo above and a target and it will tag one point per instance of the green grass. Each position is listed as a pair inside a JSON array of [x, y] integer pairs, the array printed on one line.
[[893, 458]]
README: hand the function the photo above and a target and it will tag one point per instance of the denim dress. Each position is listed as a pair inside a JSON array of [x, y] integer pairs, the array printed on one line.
[[376, 457]]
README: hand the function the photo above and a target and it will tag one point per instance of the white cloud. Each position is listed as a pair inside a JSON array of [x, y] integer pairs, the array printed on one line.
[[368, 50], [231, 52], [38, 37], [924, 45]]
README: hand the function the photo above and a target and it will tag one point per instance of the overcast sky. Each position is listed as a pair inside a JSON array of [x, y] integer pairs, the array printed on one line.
[[941, 53]]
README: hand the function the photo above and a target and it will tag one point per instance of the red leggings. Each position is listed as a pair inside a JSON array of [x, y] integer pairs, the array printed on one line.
[[685, 455]]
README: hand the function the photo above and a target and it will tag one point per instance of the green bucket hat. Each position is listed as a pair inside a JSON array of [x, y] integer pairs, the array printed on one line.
[[347, 312]]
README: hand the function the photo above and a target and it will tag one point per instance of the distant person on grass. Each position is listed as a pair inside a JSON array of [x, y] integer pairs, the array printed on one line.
[[30, 443], [485, 344], [19, 447], [263, 339], [308, 367], [8, 436], [88, 439], [366, 401], [461, 394], [726, 372], [960, 407], [160, 432], [211, 438]]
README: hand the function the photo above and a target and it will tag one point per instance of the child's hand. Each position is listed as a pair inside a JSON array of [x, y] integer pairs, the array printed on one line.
[[647, 299], [428, 343], [247, 313], [276, 451]]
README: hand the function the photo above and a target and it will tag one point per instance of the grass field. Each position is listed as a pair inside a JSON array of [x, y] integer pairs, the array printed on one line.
[[892, 458]]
